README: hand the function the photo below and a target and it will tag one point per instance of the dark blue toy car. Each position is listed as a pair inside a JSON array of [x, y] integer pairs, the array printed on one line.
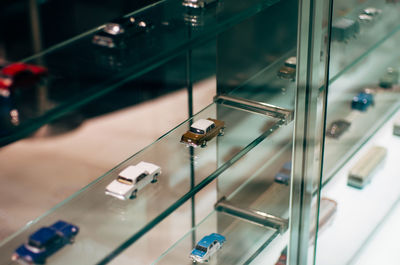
[[206, 247], [362, 101], [44, 242], [283, 176]]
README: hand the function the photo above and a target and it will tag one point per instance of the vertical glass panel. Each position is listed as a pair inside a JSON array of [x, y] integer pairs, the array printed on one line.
[[360, 183], [256, 68], [261, 65]]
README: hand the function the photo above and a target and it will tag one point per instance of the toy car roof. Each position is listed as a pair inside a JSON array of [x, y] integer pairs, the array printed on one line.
[[202, 124], [132, 172], [16, 68], [43, 235], [207, 240], [63, 227]]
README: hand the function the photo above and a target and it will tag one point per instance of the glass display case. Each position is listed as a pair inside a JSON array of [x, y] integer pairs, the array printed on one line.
[[278, 163]]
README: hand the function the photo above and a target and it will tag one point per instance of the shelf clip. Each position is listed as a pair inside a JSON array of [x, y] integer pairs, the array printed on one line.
[[253, 216], [255, 107]]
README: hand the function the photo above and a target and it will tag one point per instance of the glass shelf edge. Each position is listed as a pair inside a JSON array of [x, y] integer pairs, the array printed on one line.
[[85, 34]]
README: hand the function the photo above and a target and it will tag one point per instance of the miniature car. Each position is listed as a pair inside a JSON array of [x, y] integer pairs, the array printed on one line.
[[197, 3], [283, 176], [343, 29], [337, 128], [206, 247], [372, 11], [291, 62], [202, 131], [288, 71], [116, 33], [21, 74], [282, 258], [365, 19], [326, 214], [44, 242], [132, 179], [390, 78], [362, 101], [396, 126]]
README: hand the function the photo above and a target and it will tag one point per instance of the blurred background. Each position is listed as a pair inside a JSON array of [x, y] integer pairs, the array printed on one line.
[[62, 157], [30, 26]]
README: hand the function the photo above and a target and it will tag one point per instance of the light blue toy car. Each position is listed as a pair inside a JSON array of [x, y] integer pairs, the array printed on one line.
[[206, 247], [362, 101]]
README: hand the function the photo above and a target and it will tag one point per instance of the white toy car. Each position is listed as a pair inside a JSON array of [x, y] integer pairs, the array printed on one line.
[[132, 179]]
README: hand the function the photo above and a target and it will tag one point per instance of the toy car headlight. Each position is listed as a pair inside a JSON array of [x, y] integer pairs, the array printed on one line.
[[113, 29]]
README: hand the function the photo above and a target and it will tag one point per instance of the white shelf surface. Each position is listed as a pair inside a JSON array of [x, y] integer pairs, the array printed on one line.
[[361, 211]]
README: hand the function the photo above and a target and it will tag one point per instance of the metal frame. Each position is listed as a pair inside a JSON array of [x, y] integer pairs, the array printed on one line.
[[309, 118], [253, 216], [255, 107]]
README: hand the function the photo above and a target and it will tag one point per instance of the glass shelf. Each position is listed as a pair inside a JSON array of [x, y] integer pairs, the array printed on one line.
[[81, 72], [361, 74], [258, 191], [176, 185], [268, 88], [243, 240], [248, 184], [370, 37], [357, 66]]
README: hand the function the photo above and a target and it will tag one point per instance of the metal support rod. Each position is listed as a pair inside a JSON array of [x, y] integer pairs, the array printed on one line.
[[308, 137], [253, 216], [255, 107]]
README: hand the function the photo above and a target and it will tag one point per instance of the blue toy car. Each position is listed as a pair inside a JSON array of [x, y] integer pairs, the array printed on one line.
[[44, 242], [283, 176], [362, 101], [206, 247]]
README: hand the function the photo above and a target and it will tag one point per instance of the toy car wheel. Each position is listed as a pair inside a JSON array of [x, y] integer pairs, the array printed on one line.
[[221, 132], [204, 144], [133, 195], [154, 180]]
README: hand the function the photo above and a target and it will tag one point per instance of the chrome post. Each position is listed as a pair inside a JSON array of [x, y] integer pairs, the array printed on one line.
[[251, 215], [309, 117]]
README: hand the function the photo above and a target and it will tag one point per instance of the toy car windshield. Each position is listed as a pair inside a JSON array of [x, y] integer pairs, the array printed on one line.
[[201, 248], [198, 131], [124, 180], [35, 244], [114, 29]]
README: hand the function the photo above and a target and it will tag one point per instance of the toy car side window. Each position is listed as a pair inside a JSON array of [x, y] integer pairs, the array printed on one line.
[[124, 180], [54, 241], [142, 176], [212, 126], [34, 243]]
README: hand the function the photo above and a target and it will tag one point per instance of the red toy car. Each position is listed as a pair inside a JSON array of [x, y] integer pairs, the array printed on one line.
[[20, 74]]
